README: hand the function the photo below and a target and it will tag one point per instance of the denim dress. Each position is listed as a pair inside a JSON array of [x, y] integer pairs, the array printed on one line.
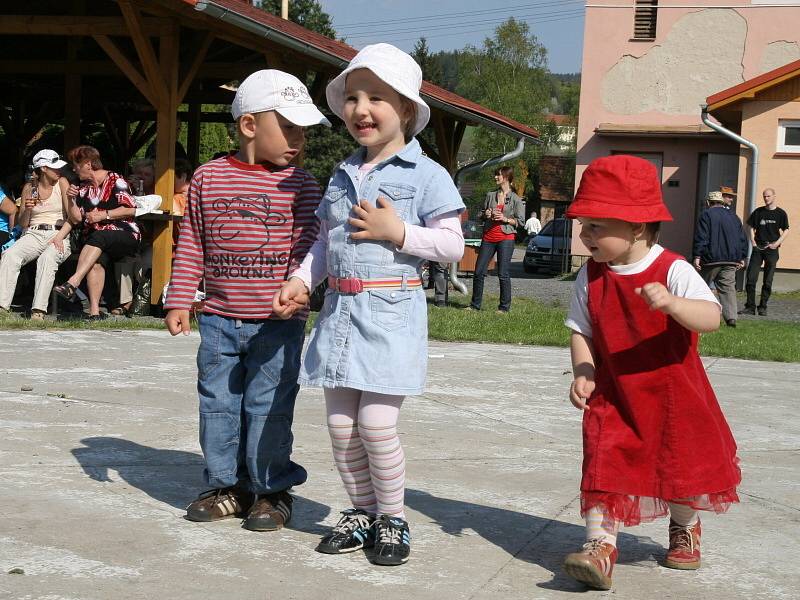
[[376, 340]]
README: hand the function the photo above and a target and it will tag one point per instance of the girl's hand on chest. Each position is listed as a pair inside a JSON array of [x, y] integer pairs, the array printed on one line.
[[377, 222]]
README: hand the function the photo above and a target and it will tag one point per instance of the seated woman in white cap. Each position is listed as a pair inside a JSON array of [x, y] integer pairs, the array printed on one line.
[[46, 238]]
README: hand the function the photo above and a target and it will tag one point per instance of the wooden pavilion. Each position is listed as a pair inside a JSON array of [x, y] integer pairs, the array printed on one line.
[[81, 63]]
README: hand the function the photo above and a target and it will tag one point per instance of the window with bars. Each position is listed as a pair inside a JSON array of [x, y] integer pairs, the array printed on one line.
[[644, 19]]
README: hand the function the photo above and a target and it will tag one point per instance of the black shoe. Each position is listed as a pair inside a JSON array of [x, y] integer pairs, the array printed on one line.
[[97, 317], [269, 512], [353, 532], [440, 304], [730, 322], [747, 310], [762, 311], [392, 541]]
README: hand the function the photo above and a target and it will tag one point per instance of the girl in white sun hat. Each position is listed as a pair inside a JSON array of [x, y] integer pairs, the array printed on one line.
[[387, 208]]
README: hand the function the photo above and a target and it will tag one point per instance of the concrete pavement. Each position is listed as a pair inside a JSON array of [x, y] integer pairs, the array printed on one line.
[[99, 457]]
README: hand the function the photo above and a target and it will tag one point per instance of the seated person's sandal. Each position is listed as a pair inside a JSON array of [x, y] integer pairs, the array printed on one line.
[[65, 290]]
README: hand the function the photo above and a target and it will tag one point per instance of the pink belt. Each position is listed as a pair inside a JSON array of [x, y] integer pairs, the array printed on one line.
[[353, 285]]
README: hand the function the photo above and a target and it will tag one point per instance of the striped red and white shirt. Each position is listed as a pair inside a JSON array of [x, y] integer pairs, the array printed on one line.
[[245, 227]]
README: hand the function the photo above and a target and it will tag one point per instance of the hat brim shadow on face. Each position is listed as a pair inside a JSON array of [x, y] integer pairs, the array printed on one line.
[[303, 116]]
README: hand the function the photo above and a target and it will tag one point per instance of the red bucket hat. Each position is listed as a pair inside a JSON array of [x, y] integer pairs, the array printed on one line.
[[620, 187]]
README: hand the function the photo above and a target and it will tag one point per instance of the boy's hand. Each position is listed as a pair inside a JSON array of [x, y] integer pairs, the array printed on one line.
[[292, 296], [177, 321], [657, 297], [378, 222], [580, 391]]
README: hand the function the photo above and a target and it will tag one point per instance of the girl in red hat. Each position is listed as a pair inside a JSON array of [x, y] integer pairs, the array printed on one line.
[[655, 441]]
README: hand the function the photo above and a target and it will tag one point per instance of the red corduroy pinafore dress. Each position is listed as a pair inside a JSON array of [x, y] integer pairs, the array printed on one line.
[[654, 432]]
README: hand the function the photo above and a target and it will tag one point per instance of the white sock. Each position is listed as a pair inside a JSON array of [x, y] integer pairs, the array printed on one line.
[[600, 525]]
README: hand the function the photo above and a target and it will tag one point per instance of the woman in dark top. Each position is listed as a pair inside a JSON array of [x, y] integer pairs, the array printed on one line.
[[501, 214], [106, 210]]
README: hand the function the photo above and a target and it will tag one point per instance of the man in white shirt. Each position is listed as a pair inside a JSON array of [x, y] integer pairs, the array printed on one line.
[[533, 225]]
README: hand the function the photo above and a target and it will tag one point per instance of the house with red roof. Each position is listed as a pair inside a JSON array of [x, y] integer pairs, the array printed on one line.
[[765, 110]]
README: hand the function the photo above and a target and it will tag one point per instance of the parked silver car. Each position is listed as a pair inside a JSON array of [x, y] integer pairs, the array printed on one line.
[[549, 250]]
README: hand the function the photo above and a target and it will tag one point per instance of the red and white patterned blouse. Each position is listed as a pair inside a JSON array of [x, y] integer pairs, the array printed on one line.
[[107, 197]]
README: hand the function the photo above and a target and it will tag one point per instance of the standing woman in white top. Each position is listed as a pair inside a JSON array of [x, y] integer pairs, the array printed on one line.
[[44, 219]]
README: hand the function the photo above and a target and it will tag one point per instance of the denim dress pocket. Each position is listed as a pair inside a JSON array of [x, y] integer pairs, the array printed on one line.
[[338, 205], [401, 196], [390, 309]]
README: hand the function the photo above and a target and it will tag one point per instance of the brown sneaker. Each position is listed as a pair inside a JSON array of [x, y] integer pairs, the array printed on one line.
[[269, 512], [684, 546], [593, 565], [221, 503]]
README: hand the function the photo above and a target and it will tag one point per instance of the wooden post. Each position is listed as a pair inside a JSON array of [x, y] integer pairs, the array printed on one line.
[[193, 139], [72, 101], [166, 120]]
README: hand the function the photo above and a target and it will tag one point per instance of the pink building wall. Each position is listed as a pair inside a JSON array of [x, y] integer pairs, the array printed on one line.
[[701, 48]]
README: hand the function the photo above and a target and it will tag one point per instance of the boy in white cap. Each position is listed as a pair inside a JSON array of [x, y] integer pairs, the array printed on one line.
[[387, 208], [249, 218]]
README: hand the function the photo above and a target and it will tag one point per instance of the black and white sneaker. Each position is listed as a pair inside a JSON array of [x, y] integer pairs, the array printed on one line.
[[392, 541], [353, 532]]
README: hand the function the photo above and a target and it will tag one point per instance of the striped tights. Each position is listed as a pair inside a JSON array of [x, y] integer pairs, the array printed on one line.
[[367, 450], [600, 525]]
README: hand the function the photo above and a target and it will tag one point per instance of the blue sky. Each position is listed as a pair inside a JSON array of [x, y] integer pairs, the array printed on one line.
[[453, 24]]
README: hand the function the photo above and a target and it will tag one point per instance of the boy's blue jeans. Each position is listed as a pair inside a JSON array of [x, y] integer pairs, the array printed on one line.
[[247, 382]]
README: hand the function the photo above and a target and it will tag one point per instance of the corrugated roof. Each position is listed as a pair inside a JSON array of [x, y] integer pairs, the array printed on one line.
[[749, 88], [338, 54]]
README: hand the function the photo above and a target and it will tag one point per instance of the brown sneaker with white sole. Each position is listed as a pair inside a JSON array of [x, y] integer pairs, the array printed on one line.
[[684, 546], [269, 512], [221, 503], [593, 565]]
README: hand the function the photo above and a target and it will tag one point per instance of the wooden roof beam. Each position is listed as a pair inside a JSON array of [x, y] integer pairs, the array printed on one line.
[[63, 25], [144, 49], [131, 72], [199, 56]]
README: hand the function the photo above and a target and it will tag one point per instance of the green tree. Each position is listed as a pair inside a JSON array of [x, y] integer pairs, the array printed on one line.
[[509, 75], [307, 13], [431, 68]]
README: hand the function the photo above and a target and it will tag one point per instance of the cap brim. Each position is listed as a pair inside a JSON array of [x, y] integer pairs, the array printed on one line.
[[56, 165], [303, 116]]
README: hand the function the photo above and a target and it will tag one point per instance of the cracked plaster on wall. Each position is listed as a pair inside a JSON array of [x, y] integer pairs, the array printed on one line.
[[779, 53], [701, 55]]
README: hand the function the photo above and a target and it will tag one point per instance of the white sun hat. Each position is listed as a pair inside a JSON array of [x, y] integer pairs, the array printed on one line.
[[270, 89], [47, 158], [392, 66]]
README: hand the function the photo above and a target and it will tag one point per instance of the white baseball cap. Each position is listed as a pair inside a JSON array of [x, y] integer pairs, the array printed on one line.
[[392, 66], [47, 158], [270, 89]]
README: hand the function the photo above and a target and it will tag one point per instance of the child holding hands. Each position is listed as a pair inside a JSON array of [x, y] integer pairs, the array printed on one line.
[[249, 219], [387, 207], [655, 441]]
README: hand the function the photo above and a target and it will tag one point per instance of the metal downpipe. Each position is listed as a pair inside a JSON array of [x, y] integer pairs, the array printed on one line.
[[459, 176], [752, 192]]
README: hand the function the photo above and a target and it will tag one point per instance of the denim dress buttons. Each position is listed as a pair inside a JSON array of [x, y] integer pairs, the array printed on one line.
[[376, 340]]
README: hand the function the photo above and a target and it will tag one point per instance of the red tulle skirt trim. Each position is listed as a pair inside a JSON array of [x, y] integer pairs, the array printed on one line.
[[632, 510]]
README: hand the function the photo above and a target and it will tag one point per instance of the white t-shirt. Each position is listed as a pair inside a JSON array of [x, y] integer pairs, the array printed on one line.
[[533, 226], [682, 280]]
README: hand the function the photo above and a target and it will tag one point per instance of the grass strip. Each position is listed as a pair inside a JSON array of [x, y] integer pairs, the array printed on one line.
[[530, 322]]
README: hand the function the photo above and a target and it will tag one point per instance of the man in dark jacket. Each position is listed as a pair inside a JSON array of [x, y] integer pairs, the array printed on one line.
[[720, 248]]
